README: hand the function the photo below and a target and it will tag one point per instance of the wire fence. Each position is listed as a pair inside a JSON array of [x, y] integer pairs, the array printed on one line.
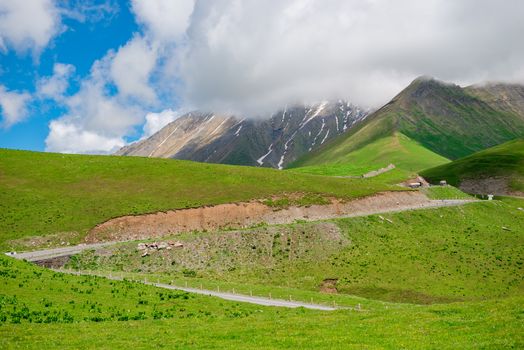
[[211, 288]]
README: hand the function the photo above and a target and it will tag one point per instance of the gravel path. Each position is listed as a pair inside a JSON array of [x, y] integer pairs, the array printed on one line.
[[57, 252], [223, 295]]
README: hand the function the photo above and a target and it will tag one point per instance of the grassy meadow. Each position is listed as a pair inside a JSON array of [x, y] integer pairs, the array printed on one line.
[[43, 309], [407, 156], [44, 194], [442, 278]]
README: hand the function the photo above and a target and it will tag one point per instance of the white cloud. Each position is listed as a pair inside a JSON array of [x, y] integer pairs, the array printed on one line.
[[131, 68], [156, 121], [165, 20], [28, 24], [67, 137], [98, 117], [251, 55], [54, 86], [13, 106]]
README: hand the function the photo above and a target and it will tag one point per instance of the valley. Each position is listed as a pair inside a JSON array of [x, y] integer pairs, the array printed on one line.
[[346, 245], [293, 174]]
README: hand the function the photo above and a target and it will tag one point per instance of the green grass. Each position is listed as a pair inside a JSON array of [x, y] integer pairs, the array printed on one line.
[[472, 252], [445, 192], [32, 297], [66, 195], [506, 160], [407, 155]]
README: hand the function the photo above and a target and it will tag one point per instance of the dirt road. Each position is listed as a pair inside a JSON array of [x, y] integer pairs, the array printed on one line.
[[393, 207]]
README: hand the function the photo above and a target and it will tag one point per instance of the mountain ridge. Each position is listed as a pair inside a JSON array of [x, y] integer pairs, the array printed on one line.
[[270, 142], [444, 118]]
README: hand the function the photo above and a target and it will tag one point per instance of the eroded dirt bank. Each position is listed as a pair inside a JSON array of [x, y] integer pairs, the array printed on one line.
[[491, 185], [240, 215]]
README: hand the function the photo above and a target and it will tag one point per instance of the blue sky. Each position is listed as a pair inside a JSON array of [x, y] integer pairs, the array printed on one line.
[[89, 76], [80, 44]]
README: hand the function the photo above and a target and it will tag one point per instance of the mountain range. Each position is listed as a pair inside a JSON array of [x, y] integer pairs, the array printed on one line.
[[274, 141], [428, 123]]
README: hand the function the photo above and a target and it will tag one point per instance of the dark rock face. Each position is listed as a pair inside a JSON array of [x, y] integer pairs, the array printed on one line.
[[504, 97], [53, 263], [270, 142]]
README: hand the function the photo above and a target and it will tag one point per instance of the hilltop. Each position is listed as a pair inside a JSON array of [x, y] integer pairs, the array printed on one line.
[[497, 170]]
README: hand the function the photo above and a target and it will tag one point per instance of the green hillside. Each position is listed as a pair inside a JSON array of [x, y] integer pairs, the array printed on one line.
[[406, 154], [504, 162], [44, 193], [430, 121], [424, 256], [41, 309]]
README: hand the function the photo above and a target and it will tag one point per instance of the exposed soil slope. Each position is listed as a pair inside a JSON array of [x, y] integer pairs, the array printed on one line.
[[245, 214]]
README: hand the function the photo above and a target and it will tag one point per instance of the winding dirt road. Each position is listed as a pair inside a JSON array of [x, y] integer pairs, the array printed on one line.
[[45, 254]]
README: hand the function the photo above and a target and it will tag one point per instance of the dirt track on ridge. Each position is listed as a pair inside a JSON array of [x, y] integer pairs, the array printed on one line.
[[240, 215]]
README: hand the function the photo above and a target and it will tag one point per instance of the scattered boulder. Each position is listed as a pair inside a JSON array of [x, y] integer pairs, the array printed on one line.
[[154, 246]]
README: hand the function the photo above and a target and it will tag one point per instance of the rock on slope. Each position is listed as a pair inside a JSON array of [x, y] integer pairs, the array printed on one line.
[[269, 142]]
